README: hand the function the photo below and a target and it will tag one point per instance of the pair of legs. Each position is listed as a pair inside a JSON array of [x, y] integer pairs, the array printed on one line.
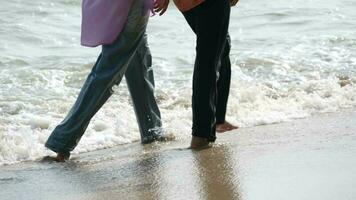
[[223, 90], [128, 55], [212, 70]]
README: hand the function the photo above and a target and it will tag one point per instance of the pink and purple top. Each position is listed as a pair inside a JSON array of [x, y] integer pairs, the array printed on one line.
[[103, 20]]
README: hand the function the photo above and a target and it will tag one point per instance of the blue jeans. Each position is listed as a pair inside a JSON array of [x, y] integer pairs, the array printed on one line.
[[128, 55]]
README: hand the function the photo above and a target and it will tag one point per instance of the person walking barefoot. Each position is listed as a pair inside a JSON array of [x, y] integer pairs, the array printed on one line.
[[209, 20], [120, 27]]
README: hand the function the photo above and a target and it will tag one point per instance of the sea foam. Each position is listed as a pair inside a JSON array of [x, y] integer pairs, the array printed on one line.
[[288, 62]]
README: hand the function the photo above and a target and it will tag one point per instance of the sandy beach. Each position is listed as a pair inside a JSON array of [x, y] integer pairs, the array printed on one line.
[[311, 158], [290, 59], [293, 92]]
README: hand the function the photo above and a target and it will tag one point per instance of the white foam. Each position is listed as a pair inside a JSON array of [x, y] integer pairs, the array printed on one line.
[[280, 72], [250, 104], [39, 123]]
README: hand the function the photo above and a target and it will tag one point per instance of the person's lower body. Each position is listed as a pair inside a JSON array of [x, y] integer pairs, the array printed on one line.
[[212, 70], [140, 81], [223, 90], [128, 55]]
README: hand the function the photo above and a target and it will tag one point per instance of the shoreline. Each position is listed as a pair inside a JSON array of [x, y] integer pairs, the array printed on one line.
[[310, 158]]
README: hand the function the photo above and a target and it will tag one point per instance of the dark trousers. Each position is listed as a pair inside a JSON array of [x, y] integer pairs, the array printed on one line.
[[212, 70]]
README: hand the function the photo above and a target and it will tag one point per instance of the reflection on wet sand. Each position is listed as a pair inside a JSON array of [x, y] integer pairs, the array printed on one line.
[[306, 159], [161, 174], [148, 175], [186, 174], [216, 174]]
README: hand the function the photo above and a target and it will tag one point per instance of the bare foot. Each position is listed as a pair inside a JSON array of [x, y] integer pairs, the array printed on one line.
[[59, 158], [199, 143], [166, 138], [62, 157], [159, 138], [224, 127]]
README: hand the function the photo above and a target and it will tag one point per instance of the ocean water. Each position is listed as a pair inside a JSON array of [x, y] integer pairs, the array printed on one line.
[[291, 59]]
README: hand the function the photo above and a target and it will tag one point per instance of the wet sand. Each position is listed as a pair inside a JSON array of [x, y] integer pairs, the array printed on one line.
[[312, 158]]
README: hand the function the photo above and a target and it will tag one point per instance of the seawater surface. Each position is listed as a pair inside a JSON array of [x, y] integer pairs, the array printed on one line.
[[290, 59]]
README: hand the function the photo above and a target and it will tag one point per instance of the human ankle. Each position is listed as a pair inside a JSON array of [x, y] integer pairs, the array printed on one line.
[[198, 143]]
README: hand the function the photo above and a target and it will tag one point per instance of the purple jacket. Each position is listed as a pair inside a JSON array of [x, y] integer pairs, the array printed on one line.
[[103, 20]]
